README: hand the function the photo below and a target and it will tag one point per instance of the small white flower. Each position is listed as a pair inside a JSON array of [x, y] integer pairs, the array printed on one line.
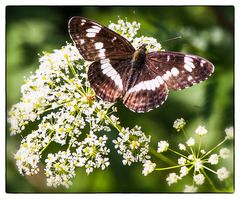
[[148, 167], [199, 179], [183, 171], [222, 173], [172, 178], [197, 164], [191, 157], [182, 147], [229, 133], [134, 144], [201, 130], [190, 142], [224, 153], [54, 105], [101, 114], [203, 151], [128, 158], [213, 159], [190, 188], [162, 146], [182, 161], [179, 124]]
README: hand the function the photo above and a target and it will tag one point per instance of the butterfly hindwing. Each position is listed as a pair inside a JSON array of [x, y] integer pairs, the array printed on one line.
[[95, 41], [179, 70], [148, 92]]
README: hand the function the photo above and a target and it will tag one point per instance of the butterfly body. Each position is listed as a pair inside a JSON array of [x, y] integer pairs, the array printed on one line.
[[137, 62], [141, 79], [139, 56]]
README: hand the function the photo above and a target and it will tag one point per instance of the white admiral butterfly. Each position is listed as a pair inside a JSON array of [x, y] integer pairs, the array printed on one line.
[[141, 79]]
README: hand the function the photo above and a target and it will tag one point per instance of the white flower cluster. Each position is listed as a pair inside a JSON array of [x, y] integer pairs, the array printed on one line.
[[195, 158], [162, 146], [151, 43], [201, 130], [179, 124], [60, 168], [28, 157], [59, 94], [39, 90], [148, 167], [229, 133], [91, 153], [125, 28], [133, 145], [129, 31]]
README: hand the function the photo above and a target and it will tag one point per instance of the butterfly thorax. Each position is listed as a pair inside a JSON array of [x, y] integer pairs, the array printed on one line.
[[139, 57]]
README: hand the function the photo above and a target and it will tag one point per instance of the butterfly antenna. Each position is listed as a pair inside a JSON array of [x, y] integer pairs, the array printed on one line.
[[139, 31], [171, 39]]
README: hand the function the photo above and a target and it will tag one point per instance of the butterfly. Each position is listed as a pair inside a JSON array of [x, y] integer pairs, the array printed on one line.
[[141, 79]]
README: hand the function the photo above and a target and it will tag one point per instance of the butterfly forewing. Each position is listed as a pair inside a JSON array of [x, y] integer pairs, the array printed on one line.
[[96, 42], [179, 70], [105, 77]]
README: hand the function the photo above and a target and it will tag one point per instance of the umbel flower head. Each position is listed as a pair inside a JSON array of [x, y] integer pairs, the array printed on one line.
[[59, 100], [194, 160]]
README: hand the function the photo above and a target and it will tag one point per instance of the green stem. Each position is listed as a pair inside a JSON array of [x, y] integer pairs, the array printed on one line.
[[209, 180], [209, 169], [68, 81], [72, 70], [199, 146], [47, 143], [213, 148], [193, 152], [116, 126], [167, 168], [184, 133], [161, 157], [49, 109], [71, 67], [177, 153]]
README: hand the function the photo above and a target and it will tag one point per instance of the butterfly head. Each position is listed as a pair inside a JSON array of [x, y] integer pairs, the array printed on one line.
[[143, 47]]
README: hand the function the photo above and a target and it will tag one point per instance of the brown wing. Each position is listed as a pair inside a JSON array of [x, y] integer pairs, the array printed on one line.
[[179, 70], [95, 41], [148, 92], [108, 77]]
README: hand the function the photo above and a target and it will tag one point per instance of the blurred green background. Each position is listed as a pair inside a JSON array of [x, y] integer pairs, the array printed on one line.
[[205, 31]]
